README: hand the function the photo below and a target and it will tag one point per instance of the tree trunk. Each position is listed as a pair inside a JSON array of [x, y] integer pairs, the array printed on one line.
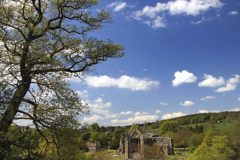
[[9, 114]]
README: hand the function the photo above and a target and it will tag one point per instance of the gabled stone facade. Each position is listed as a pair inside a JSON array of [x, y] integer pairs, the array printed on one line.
[[93, 147], [135, 141]]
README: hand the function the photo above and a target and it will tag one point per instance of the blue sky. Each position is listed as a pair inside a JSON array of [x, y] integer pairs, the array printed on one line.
[[182, 57]]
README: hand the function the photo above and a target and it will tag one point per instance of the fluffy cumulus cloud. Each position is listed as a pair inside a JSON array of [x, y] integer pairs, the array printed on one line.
[[228, 87], [136, 119], [187, 103], [163, 104], [97, 106], [173, 115], [235, 110], [192, 7], [94, 118], [231, 84], [158, 111], [187, 7], [112, 115], [99, 100], [233, 13], [183, 77], [124, 81], [238, 98], [127, 112], [208, 97], [83, 94], [140, 114], [211, 81], [206, 111]]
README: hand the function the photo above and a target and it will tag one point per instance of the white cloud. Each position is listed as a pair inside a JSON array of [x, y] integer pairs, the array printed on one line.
[[74, 79], [118, 6], [112, 115], [238, 98], [97, 106], [208, 97], [158, 22], [99, 100], [102, 95], [234, 80], [233, 13], [144, 69], [192, 7], [202, 20], [158, 111], [231, 84], [100, 110], [92, 119], [187, 103], [183, 77], [163, 104], [83, 94], [136, 119], [206, 111], [211, 81], [173, 115], [127, 113], [140, 114], [124, 81], [229, 87], [235, 110], [188, 7]]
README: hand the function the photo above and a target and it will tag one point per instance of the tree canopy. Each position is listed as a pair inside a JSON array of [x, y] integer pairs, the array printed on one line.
[[44, 43], [168, 126]]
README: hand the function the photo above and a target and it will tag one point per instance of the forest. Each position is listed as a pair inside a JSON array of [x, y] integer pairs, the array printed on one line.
[[197, 136]]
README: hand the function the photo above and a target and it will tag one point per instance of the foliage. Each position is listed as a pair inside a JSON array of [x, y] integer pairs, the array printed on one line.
[[200, 138], [95, 127], [25, 143], [221, 148], [117, 134], [102, 155], [102, 138], [168, 126], [208, 137], [114, 144], [151, 152], [94, 137], [193, 140], [133, 126], [45, 43]]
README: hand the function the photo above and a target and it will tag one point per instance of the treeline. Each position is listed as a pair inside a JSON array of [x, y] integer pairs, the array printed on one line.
[[201, 118]]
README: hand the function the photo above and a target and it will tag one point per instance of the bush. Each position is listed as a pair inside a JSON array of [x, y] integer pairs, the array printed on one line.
[[192, 149]]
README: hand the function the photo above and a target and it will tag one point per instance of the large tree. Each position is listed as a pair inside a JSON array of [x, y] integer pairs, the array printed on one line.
[[43, 43]]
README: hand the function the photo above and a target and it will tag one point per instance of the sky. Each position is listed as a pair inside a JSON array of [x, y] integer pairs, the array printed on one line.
[[182, 57]]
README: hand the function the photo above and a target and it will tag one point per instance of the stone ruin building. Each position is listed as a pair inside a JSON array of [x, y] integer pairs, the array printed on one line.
[[94, 147], [133, 144]]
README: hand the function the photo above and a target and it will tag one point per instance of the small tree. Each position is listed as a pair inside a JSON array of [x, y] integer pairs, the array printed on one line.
[[168, 126]]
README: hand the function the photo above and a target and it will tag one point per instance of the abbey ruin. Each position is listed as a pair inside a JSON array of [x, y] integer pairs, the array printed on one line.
[[133, 145]]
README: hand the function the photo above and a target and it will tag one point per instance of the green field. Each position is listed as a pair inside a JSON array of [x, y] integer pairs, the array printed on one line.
[[219, 126]]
